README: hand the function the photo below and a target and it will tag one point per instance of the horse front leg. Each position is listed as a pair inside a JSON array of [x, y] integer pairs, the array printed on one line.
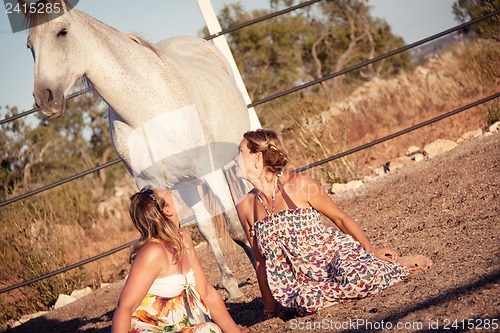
[[208, 230], [206, 223], [237, 234], [219, 182]]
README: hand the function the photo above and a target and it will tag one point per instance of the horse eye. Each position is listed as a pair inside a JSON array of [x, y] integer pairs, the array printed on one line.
[[62, 33]]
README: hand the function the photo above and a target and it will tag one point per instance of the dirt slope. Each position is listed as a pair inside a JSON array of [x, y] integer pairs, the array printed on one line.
[[446, 208]]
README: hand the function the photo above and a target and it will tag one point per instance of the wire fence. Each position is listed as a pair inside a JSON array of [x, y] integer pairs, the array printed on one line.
[[312, 165], [261, 101]]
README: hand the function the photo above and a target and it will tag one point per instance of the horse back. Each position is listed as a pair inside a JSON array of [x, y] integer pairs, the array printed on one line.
[[192, 52], [211, 86]]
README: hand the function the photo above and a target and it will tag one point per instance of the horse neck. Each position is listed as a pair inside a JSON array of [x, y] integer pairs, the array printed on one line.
[[113, 67]]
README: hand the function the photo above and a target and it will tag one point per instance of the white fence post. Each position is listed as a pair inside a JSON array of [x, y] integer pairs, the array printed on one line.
[[214, 27]]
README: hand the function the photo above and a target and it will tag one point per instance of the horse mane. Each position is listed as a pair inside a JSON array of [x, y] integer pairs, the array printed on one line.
[[143, 42]]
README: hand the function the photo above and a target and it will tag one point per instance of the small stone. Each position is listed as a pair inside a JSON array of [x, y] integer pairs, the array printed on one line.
[[472, 134], [80, 293], [439, 147], [495, 127], [63, 300]]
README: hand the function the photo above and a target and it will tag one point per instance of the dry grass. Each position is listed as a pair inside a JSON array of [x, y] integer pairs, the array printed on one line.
[[52, 230], [462, 74]]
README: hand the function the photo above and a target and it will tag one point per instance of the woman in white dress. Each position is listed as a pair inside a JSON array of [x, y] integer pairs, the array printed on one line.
[[167, 289]]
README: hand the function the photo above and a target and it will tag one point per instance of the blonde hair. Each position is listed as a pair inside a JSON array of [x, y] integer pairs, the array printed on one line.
[[266, 142], [148, 218]]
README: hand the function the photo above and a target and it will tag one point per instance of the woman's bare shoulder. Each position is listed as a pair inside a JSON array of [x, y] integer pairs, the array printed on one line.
[[301, 188], [153, 246], [297, 181], [152, 251]]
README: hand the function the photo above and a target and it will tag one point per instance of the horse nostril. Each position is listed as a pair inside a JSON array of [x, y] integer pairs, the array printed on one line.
[[50, 96]]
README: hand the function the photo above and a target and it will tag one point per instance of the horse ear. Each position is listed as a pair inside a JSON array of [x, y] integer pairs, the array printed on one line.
[[64, 5]]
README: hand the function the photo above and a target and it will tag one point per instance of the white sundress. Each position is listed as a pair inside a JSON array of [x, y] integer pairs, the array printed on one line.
[[172, 304]]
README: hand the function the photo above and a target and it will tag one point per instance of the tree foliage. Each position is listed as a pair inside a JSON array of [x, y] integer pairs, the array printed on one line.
[[307, 44], [466, 10], [37, 151]]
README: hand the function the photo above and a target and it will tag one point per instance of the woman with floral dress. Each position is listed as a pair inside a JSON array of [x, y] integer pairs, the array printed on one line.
[[302, 264], [166, 289]]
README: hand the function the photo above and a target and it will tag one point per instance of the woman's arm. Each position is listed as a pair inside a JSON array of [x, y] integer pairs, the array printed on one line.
[[145, 269], [208, 294], [245, 214], [321, 201]]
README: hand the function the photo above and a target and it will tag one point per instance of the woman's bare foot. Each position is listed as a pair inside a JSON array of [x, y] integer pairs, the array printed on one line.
[[415, 263]]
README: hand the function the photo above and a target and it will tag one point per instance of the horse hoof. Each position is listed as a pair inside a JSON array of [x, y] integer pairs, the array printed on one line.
[[235, 294]]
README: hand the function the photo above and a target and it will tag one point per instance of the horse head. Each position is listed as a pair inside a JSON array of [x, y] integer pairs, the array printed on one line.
[[54, 43]]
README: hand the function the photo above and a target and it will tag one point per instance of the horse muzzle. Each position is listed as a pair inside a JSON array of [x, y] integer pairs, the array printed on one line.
[[51, 102]]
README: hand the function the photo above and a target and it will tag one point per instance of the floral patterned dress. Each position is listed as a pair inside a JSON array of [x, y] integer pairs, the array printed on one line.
[[310, 266], [172, 304]]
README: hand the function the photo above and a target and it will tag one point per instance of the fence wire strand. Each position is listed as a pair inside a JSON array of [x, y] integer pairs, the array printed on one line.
[[60, 182], [35, 109], [262, 18], [394, 135]]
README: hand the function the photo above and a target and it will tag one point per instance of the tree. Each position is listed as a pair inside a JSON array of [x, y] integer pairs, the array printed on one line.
[[308, 44], [466, 10], [12, 147], [36, 153]]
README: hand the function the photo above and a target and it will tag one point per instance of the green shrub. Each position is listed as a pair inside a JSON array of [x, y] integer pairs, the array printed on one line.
[[493, 112]]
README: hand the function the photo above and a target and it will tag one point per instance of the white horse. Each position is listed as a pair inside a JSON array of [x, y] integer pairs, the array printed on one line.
[[176, 115]]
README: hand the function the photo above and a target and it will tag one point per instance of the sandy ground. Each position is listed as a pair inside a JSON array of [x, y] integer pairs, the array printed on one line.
[[446, 208]]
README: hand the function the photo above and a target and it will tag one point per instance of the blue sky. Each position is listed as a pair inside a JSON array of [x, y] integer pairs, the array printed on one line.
[[155, 20]]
